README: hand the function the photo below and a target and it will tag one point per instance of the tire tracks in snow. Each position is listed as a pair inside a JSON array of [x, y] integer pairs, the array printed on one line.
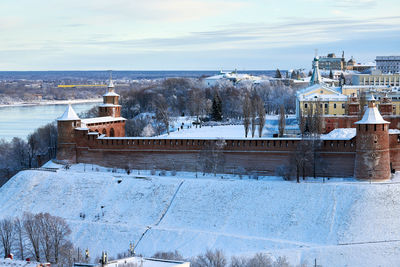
[[163, 214]]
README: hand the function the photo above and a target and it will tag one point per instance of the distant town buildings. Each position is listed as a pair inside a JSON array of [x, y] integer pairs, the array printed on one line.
[[232, 76], [332, 100], [331, 62], [388, 64]]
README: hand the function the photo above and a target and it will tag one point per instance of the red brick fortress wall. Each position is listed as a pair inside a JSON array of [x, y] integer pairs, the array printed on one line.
[[261, 156], [394, 144]]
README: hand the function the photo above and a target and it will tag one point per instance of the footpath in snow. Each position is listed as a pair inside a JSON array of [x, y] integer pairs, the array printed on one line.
[[341, 222]]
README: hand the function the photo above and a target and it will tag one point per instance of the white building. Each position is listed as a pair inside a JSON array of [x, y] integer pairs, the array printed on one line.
[[388, 64], [233, 77]]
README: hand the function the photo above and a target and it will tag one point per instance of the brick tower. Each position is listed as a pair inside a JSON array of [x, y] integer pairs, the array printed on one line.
[[372, 150], [110, 106], [66, 144], [386, 106], [353, 106]]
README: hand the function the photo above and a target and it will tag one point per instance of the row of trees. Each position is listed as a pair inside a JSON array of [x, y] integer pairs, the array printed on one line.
[[217, 258], [19, 153], [172, 97], [41, 236]]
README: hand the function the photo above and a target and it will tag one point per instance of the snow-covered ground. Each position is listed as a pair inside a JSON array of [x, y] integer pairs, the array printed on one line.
[[341, 222], [227, 131]]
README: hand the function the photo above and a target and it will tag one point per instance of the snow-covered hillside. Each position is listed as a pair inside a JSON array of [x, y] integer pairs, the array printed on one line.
[[339, 223]]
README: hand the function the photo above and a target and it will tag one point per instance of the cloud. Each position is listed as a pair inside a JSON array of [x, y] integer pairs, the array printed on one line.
[[160, 10], [292, 32]]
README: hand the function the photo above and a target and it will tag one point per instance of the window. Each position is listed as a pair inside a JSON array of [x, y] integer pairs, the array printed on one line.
[[334, 105], [305, 105], [326, 105], [343, 106]]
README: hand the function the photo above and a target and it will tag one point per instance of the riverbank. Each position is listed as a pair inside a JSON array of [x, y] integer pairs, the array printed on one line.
[[52, 102]]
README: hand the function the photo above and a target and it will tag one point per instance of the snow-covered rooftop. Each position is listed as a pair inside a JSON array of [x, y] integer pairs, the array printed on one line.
[[69, 115], [372, 116], [394, 131], [148, 262], [109, 105], [17, 263], [102, 119], [111, 94], [340, 134]]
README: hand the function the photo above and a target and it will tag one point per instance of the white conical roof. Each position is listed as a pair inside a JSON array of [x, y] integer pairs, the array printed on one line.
[[69, 115], [111, 84], [372, 115]]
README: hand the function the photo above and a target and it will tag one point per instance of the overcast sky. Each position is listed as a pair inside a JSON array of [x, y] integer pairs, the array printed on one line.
[[192, 34]]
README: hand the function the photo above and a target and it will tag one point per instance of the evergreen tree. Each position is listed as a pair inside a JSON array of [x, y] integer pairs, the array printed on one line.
[[310, 73], [216, 114], [278, 74], [293, 75], [330, 74]]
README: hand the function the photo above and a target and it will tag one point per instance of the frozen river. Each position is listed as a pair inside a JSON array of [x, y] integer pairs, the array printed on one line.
[[20, 121]]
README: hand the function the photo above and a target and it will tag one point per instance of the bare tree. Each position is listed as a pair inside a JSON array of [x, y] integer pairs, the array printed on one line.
[[246, 113], [43, 221], [19, 237], [261, 116], [197, 103], [212, 156], [162, 113], [59, 231], [282, 120], [7, 235], [210, 259], [253, 114], [31, 229]]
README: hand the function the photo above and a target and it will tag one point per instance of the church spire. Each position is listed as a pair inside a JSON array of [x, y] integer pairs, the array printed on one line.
[[316, 76]]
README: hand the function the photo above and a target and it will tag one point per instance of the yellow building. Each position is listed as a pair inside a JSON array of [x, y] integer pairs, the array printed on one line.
[[321, 98]]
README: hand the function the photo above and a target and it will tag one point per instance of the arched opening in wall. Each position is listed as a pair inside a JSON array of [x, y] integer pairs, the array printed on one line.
[[104, 131], [112, 134]]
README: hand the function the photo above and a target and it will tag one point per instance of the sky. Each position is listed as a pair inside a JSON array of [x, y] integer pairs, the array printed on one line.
[[192, 34]]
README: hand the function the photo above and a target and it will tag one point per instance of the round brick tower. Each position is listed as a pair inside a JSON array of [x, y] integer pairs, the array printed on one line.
[[66, 144], [110, 106], [372, 150]]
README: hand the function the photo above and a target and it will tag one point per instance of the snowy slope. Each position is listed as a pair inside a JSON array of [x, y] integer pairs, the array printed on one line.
[[333, 222]]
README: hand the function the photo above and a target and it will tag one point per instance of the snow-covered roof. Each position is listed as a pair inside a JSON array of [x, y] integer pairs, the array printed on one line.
[[340, 134], [69, 115], [372, 116], [109, 105], [16, 263], [111, 94], [111, 84], [394, 131], [148, 262], [102, 119], [335, 93]]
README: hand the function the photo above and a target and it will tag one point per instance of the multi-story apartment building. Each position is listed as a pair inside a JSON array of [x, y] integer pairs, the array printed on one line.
[[331, 62], [388, 64], [376, 78]]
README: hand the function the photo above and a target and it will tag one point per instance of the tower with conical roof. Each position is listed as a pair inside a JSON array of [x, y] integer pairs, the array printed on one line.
[[316, 76], [372, 148], [110, 106], [66, 144]]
